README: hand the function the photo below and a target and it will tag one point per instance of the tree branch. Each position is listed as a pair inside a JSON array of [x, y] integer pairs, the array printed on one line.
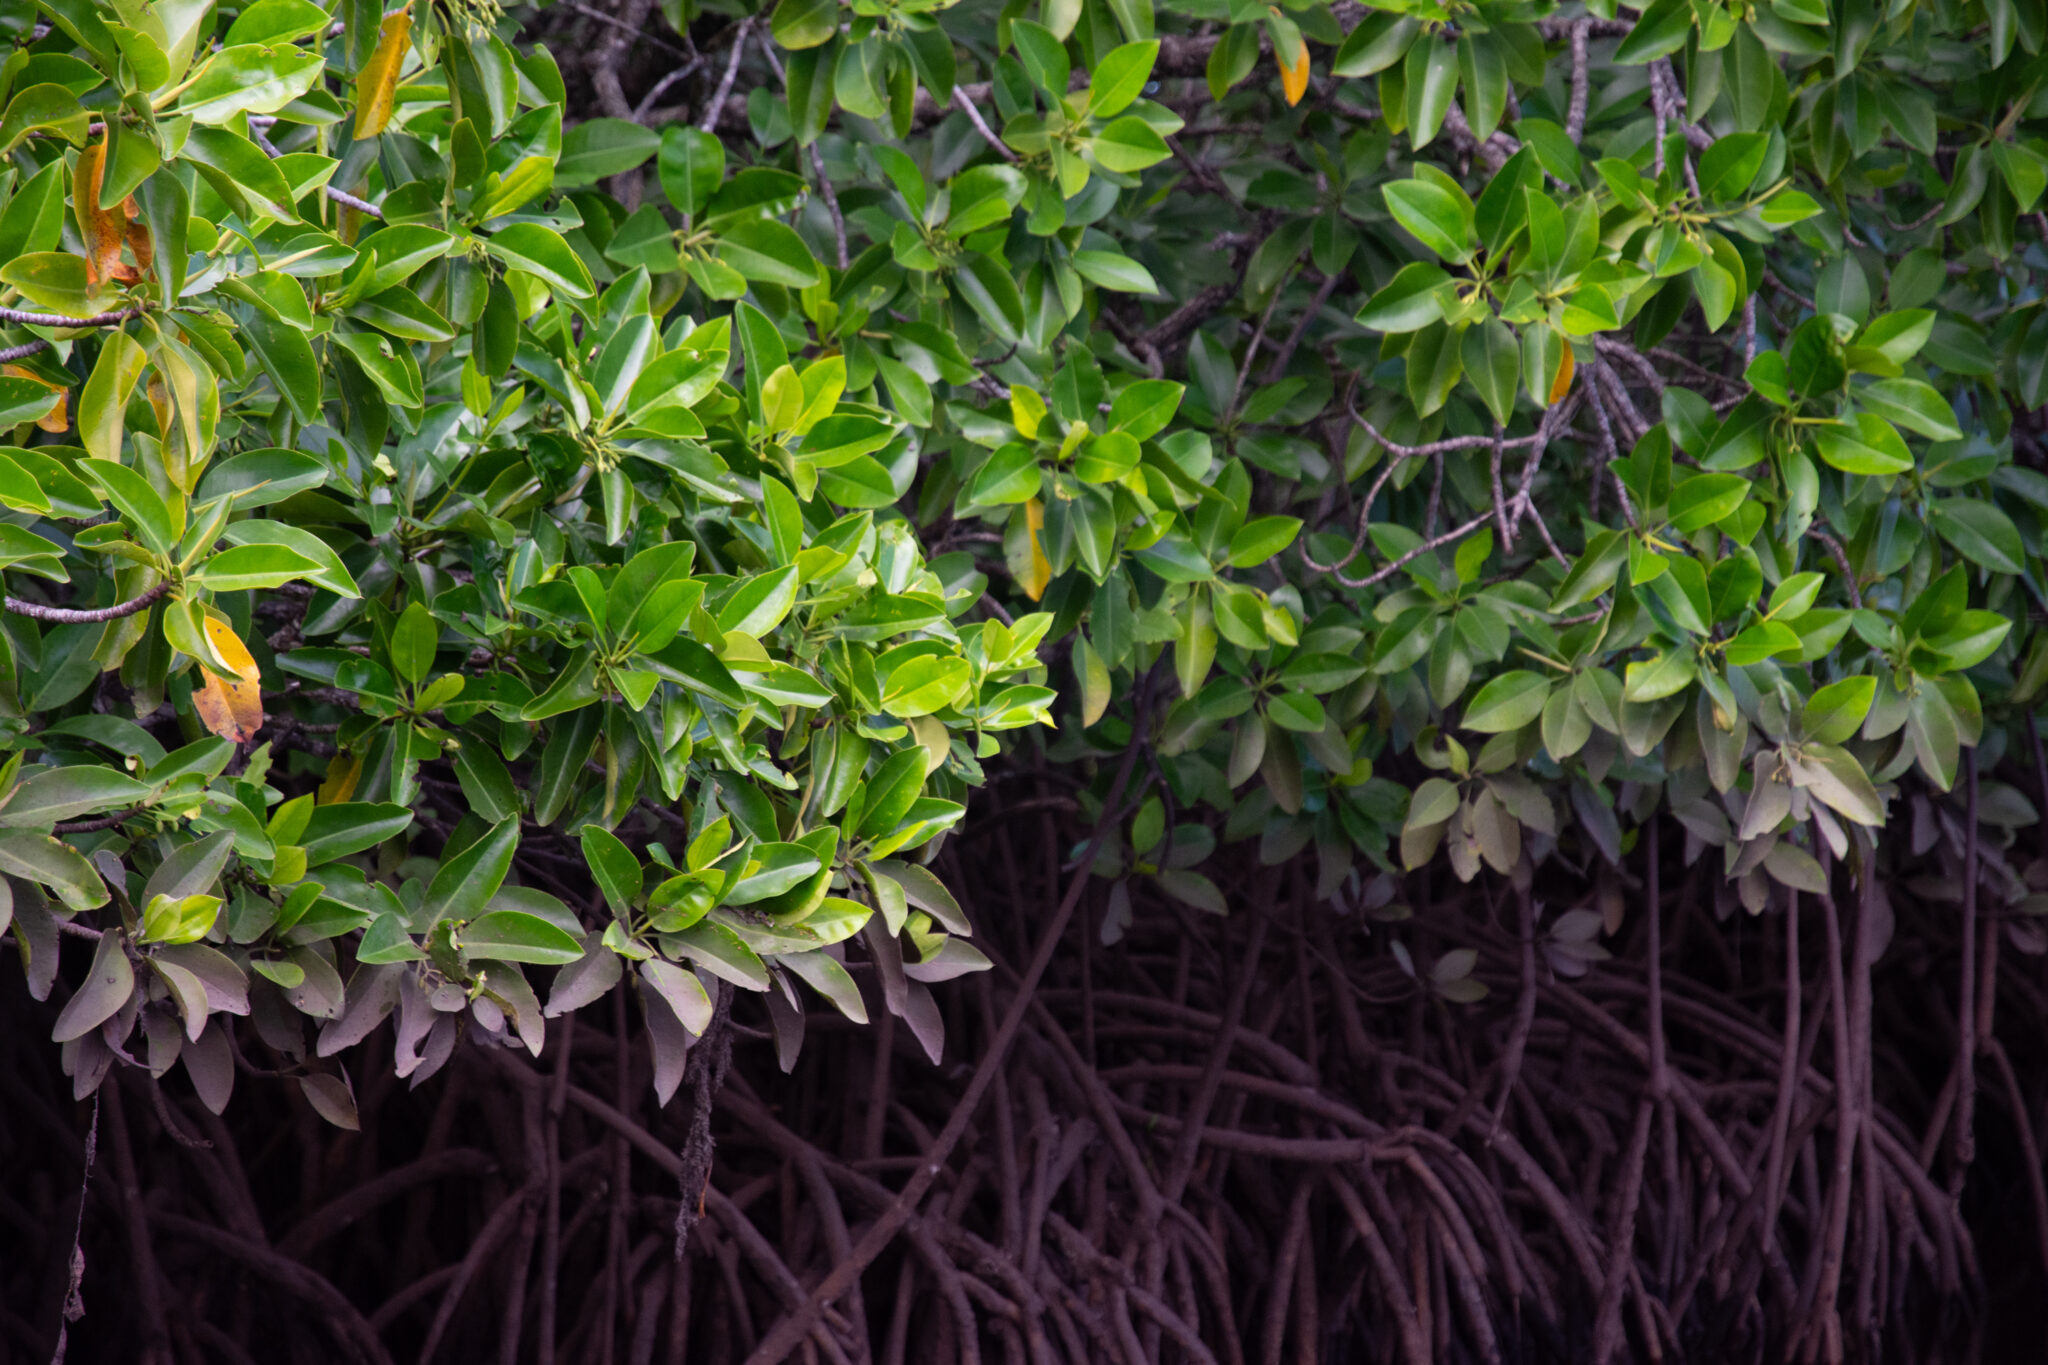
[[76, 616]]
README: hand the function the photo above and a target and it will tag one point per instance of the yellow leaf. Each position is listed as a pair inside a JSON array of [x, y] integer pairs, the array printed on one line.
[[1095, 686], [937, 743], [1038, 573], [343, 772], [1027, 410], [102, 230], [231, 707], [377, 86], [1562, 383], [1294, 78]]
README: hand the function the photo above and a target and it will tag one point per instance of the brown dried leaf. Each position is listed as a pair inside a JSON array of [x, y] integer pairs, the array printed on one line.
[[101, 229], [140, 244]]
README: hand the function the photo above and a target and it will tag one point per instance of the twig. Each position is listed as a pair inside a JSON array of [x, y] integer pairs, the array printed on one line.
[[1444, 447], [635, 30], [97, 823], [362, 206], [72, 616], [1251, 350], [705, 1072], [74, 1302], [1277, 370], [732, 69], [22, 318], [965, 104], [661, 87], [1437, 543], [831, 205], [1500, 498], [1575, 112], [1841, 558]]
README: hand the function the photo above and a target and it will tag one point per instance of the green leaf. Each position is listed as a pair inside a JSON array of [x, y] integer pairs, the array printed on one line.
[[415, 636], [43, 108], [107, 985], [1914, 405], [1436, 216], [1507, 702], [239, 173], [617, 871], [1128, 145], [1865, 445], [1493, 364], [1044, 56], [1109, 270], [1142, 410], [601, 147], [1655, 679], [768, 252], [242, 567], [1258, 541], [1660, 31], [1983, 534], [758, 605], [541, 252], [464, 884], [515, 936], [692, 166], [1380, 40], [52, 863], [131, 495], [327, 570], [1706, 500], [1192, 888], [1434, 802], [1120, 76], [250, 79], [1297, 711], [1833, 775], [1412, 300], [1835, 713], [287, 358], [103, 403], [1727, 168], [1431, 79], [343, 828], [56, 282], [925, 684], [68, 792]]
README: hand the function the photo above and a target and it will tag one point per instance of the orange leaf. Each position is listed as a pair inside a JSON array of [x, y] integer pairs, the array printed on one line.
[[58, 419], [1562, 383], [1294, 79], [101, 229], [140, 245], [231, 707], [377, 86]]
